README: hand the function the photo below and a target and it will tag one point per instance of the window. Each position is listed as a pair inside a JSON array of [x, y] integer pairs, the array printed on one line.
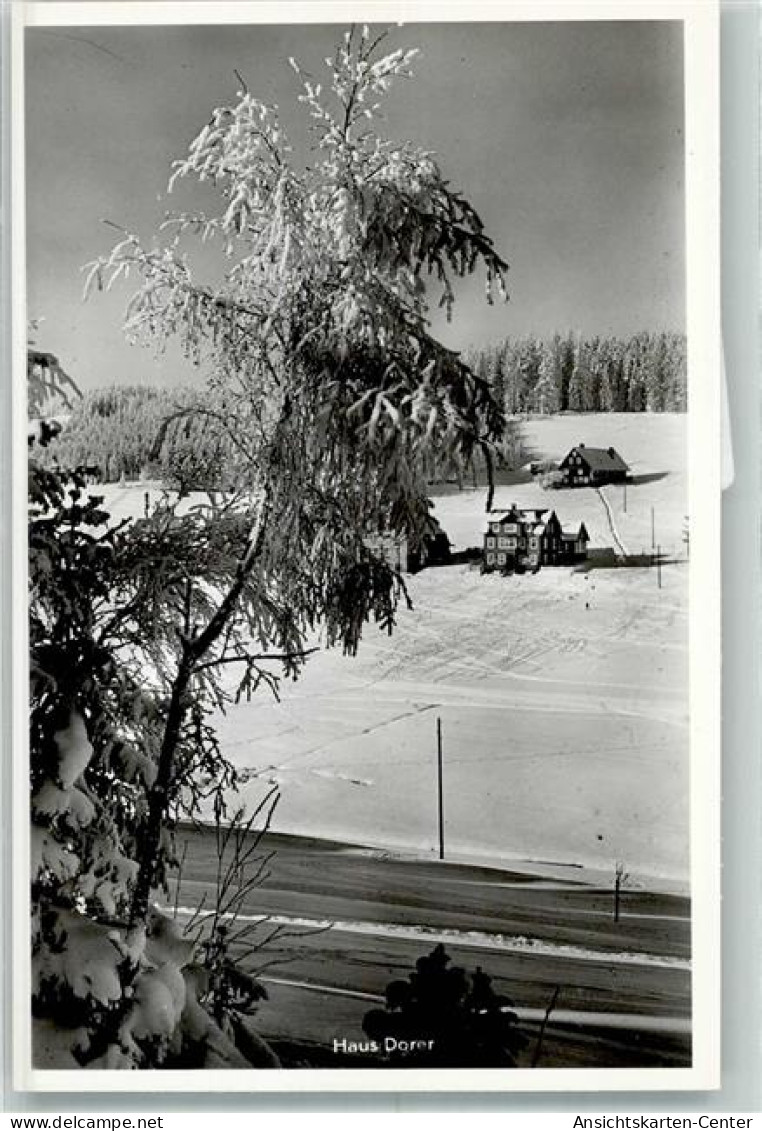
[[491, 543], [501, 559], [533, 543], [490, 559], [494, 527]]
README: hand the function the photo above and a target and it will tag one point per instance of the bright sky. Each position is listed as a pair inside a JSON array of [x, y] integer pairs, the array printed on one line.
[[567, 138]]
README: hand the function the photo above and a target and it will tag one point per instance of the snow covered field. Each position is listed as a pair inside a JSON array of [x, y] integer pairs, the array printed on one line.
[[562, 695], [655, 448]]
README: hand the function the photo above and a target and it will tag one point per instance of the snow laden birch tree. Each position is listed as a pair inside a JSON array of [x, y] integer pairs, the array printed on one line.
[[320, 354], [326, 380]]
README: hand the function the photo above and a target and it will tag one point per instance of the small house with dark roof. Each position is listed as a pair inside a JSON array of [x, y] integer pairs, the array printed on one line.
[[530, 537], [409, 556], [592, 467]]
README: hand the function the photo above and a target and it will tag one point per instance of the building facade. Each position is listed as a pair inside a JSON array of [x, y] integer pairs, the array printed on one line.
[[592, 467], [405, 556], [527, 538]]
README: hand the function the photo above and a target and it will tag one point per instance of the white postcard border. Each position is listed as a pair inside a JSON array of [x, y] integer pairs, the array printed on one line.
[[701, 24]]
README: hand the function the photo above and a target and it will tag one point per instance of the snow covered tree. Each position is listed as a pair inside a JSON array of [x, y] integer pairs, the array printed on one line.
[[528, 360], [192, 448], [635, 371], [338, 398], [547, 391], [50, 390], [495, 375], [512, 376], [568, 349], [318, 343], [643, 373], [454, 1018], [104, 599], [49, 386], [579, 380], [133, 430]]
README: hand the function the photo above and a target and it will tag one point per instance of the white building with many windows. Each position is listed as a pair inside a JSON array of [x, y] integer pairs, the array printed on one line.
[[528, 537]]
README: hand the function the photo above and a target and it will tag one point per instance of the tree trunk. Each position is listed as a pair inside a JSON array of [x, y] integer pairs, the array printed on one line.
[[159, 795], [193, 651]]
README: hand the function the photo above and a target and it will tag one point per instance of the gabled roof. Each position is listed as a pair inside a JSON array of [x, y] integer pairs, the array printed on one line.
[[581, 535], [600, 459], [520, 514], [534, 519], [537, 521]]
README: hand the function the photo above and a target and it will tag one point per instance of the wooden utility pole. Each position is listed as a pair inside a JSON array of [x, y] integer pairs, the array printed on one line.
[[440, 789], [658, 566]]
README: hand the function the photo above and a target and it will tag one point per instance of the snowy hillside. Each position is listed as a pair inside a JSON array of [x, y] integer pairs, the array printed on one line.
[[654, 447], [563, 696]]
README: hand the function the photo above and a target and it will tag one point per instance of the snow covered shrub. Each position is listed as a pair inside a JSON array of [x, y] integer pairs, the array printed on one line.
[[443, 1017], [225, 936]]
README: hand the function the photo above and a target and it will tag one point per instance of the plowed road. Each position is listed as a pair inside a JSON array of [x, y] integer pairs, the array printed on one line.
[[347, 921]]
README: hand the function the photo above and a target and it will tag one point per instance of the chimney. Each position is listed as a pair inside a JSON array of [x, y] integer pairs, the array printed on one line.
[[580, 445], [612, 453]]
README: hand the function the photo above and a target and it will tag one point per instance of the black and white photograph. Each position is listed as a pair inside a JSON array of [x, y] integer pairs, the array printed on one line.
[[371, 522]]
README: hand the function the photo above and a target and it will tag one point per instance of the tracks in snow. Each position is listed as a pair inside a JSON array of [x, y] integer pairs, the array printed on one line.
[[612, 525]]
